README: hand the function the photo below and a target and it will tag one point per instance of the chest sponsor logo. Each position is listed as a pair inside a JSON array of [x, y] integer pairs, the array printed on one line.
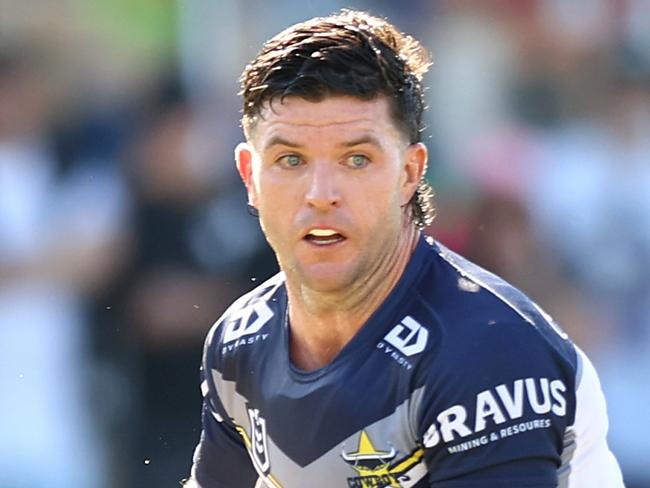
[[259, 446], [405, 340], [498, 413], [244, 328], [383, 468]]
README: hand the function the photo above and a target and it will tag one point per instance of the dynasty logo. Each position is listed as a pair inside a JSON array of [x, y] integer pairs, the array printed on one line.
[[381, 468]]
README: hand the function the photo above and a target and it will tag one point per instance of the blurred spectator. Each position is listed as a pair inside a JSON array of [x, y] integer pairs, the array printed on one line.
[[594, 176], [58, 235], [191, 254]]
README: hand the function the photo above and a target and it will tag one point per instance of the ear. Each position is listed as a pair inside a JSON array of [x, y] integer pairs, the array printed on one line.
[[244, 160], [414, 168]]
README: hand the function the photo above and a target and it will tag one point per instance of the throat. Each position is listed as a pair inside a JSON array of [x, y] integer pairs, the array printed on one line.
[[321, 325], [316, 342], [310, 359]]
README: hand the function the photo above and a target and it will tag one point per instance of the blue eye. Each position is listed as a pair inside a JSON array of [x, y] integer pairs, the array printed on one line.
[[358, 161], [291, 160]]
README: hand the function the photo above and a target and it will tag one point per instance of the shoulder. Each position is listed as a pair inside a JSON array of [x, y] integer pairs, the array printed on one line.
[[479, 313], [492, 341], [502, 380], [247, 319]]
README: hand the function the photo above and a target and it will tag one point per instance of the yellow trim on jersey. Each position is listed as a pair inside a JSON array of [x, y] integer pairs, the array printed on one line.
[[249, 444], [409, 462]]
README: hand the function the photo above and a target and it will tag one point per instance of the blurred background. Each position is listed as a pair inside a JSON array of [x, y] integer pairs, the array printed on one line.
[[124, 231]]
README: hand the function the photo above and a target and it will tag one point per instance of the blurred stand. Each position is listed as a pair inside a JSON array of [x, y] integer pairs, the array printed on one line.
[[59, 229], [193, 250]]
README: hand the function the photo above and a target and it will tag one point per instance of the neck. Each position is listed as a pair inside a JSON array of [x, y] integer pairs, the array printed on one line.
[[322, 324]]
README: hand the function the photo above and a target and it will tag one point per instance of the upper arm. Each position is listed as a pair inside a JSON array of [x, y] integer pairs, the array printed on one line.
[[496, 416], [221, 459], [586, 459], [518, 452]]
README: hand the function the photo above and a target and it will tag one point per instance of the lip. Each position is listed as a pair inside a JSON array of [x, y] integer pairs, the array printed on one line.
[[336, 230], [306, 233]]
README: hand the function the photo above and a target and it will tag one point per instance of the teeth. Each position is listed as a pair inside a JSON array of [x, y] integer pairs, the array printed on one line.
[[322, 232]]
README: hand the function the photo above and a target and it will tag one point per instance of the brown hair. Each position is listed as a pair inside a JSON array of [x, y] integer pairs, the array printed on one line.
[[348, 53]]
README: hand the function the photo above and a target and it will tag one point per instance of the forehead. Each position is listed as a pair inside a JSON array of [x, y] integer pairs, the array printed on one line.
[[332, 117]]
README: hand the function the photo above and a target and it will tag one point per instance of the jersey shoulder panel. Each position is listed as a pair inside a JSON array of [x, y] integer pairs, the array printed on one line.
[[247, 316], [475, 297], [235, 341]]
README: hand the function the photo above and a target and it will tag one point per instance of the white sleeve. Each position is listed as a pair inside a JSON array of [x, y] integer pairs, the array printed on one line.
[[587, 461]]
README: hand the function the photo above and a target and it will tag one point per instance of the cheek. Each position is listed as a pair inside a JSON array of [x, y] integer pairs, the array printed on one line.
[[276, 208], [271, 225], [381, 208]]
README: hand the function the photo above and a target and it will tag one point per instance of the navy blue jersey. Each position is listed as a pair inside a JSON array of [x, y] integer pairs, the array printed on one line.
[[456, 380]]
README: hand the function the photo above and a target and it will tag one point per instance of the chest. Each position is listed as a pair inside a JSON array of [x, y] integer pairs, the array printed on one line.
[[356, 424]]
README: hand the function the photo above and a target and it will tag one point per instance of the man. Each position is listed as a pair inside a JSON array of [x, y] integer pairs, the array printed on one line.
[[377, 358]]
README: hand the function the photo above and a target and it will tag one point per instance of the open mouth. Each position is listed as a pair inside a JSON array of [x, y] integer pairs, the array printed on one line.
[[324, 237]]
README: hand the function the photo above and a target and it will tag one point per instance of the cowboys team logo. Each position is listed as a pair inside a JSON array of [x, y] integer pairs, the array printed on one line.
[[259, 447], [380, 469]]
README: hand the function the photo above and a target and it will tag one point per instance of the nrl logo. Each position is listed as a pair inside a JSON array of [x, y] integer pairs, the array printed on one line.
[[259, 447]]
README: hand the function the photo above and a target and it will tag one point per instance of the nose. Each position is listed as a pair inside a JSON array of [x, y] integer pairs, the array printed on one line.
[[323, 192]]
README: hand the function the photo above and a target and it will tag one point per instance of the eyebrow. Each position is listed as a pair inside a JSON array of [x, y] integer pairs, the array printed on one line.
[[281, 141], [364, 139]]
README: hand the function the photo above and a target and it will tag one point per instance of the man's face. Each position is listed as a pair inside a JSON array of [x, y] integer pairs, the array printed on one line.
[[331, 181]]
